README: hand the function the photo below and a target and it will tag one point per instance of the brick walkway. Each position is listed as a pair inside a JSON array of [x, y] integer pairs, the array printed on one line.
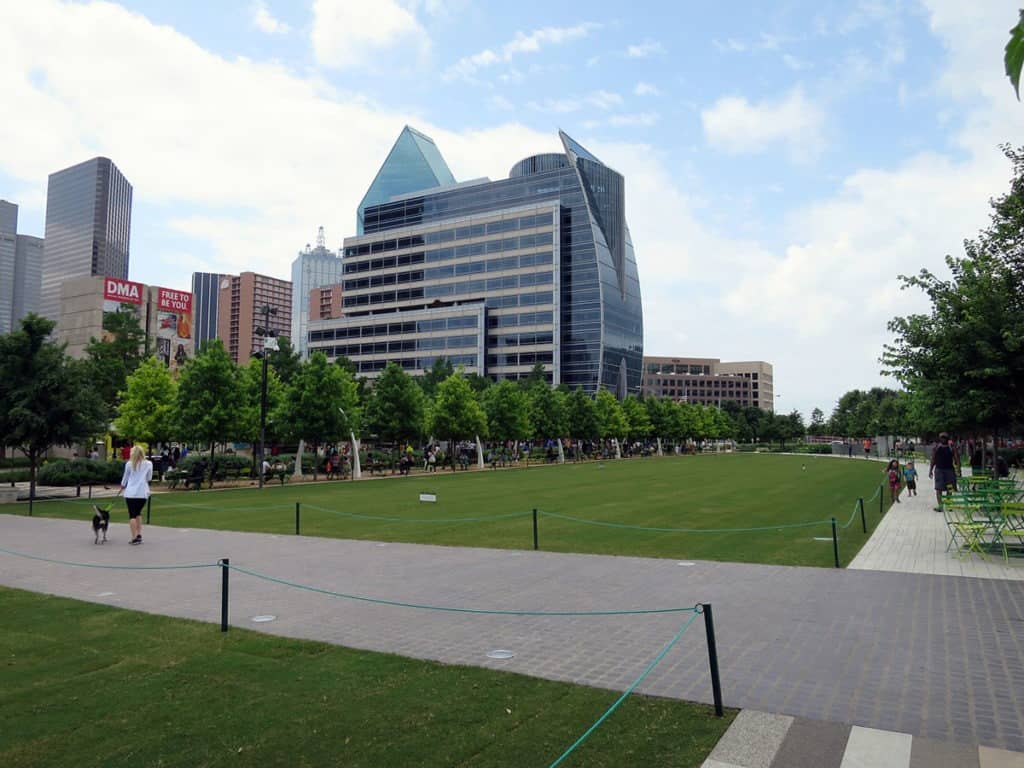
[[934, 656]]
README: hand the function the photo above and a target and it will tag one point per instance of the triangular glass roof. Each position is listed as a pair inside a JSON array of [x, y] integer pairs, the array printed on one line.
[[414, 163]]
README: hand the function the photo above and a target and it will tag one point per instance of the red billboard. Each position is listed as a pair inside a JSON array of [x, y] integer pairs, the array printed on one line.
[[174, 301], [122, 291]]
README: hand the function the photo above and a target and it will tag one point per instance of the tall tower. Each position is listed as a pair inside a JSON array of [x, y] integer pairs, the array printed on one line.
[[20, 265], [88, 227], [313, 268]]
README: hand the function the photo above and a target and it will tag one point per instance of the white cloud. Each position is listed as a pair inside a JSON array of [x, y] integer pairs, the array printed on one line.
[[734, 125], [645, 50], [640, 119], [500, 102], [603, 100], [264, 20], [467, 67], [646, 89], [348, 34]]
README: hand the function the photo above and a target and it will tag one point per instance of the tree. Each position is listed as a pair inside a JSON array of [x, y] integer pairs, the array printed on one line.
[[285, 361], [147, 409], [611, 421], [455, 413], [1014, 57], [112, 360], [322, 404], [251, 382], [508, 411], [659, 413], [395, 408], [210, 409], [817, 427], [789, 427], [965, 358], [547, 411], [45, 397], [638, 420], [440, 371], [582, 418]]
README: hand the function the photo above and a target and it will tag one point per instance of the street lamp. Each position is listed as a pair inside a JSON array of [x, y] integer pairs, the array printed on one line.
[[267, 333]]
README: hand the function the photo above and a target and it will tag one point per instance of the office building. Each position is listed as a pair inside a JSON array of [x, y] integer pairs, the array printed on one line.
[[325, 303], [497, 277], [205, 299], [21, 261], [313, 268], [239, 302], [709, 381], [88, 227]]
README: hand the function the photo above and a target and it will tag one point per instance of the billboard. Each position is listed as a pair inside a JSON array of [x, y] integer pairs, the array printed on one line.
[[173, 326], [121, 296]]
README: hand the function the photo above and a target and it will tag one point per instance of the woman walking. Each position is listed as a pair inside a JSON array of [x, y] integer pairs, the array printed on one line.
[[138, 472]]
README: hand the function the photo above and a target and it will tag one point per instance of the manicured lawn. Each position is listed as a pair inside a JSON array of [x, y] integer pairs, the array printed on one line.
[[89, 685], [692, 492]]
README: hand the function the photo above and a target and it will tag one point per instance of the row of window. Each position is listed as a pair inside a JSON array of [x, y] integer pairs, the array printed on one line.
[[465, 288], [520, 339], [716, 383], [523, 318], [451, 270], [447, 235], [403, 345], [445, 254], [412, 363], [522, 358], [395, 329]]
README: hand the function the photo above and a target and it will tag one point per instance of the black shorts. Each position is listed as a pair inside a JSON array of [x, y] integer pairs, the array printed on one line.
[[911, 485], [135, 507]]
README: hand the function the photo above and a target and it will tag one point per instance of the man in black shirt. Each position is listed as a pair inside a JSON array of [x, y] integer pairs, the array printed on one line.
[[945, 460]]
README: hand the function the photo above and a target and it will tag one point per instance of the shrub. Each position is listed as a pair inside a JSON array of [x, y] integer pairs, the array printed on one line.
[[62, 472], [14, 462]]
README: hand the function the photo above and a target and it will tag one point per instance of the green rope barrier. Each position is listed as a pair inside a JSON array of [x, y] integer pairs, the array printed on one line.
[[856, 509], [683, 530], [110, 567], [418, 519], [452, 609], [628, 691], [878, 490]]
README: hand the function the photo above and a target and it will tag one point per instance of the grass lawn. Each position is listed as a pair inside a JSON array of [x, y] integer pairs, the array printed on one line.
[[89, 685], [692, 492]]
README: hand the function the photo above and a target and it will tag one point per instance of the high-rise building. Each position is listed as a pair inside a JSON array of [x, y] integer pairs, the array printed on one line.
[[496, 276], [709, 381], [21, 258], [88, 227], [313, 268], [239, 312], [205, 301]]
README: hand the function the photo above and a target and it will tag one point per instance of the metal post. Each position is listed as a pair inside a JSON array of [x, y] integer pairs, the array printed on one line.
[[863, 520], [224, 569], [835, 542], [78, 491], [716, 682], [880, 500], [149, 507], [263, 394], [535, 529], [90, 490], [296, 518]]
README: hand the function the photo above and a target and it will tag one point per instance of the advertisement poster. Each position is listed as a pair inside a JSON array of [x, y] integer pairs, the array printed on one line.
[[173, 327], [120, 296]]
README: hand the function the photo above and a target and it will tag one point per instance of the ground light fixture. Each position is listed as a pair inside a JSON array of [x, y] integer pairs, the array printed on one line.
[[500, 653]]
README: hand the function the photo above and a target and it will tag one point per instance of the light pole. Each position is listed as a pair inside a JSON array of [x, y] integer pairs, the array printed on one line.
[[266, 310]]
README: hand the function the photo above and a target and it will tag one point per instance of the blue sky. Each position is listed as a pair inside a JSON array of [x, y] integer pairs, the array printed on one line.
[[784, 161]]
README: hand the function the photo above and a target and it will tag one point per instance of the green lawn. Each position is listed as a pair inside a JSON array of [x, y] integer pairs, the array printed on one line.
[[692, 492], [89, 685]]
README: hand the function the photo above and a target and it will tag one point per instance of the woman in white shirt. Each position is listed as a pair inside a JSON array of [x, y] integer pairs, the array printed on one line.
[[138, 471]]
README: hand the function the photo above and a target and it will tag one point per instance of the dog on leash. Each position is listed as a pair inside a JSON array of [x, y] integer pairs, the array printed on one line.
[[100, 522]]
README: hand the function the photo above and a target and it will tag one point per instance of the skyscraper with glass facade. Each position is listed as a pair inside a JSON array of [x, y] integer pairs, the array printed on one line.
[[20, 269], [205, 306], [313, 268], [497, 277], [88, 227]]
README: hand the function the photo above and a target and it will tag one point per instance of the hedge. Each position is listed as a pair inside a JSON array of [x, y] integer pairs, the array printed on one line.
[[61, 472]]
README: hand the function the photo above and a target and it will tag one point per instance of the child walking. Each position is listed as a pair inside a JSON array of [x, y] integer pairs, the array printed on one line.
[[910, 476], [893, 471]]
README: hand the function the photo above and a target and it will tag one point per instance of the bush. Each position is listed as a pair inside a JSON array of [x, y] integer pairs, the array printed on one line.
[[225, 463], [14, 462], [14, 476], [815, 448], [62, 472]]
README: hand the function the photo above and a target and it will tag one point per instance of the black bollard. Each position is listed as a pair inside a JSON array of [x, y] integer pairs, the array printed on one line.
[[535, 529], [716, 682], [863, 520], [835, 542], [224, 563], [296, 518], [149, 507]]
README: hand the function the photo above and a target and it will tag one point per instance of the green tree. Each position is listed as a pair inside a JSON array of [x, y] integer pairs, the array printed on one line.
[[147, 410], [210, 408], [508, 411], [455, 414], [395, 410], [114, 359], [817, 425], [322, 404], [251, 383], [441, 370], [1014, 55], [45, 397], [581, 416], [638, 420], [548, 411], [611, 421], [285, 360]]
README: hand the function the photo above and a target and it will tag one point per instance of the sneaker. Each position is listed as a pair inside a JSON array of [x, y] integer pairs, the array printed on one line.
[[136, 540]]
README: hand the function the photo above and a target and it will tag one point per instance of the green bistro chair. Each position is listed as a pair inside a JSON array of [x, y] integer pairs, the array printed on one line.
[[966, 533]]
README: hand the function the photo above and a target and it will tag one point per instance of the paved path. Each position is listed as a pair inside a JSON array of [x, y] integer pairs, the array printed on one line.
[[912, 538], [935, 656], [761, 740]]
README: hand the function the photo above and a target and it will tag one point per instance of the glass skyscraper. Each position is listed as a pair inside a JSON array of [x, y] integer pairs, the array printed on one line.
[[313, 268], [88, 227], [21, 258], [497, 277], [205, 295]]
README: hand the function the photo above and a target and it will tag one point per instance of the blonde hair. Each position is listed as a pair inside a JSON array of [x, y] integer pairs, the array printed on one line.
[[137, 456]]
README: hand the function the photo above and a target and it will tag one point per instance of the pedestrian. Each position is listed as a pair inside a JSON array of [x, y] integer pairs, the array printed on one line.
[[867, 447], [910, 476], [138, 472], [849, 449], [893, 472], [945, 462]]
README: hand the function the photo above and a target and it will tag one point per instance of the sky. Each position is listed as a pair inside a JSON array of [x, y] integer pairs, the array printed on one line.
[[785, 162]]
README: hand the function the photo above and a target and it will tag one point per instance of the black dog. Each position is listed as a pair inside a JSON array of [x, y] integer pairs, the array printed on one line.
[[100, 522]]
